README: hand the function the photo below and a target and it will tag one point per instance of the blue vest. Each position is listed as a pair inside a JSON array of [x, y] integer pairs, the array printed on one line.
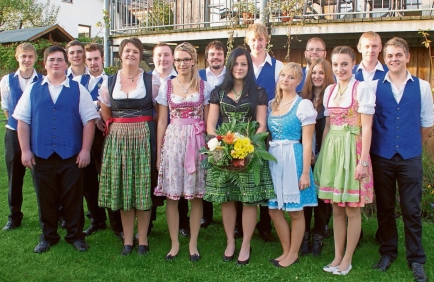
[[202, 74], [93, 92], [379, 75], [267, 80], [396, 127], [56, 128], [303, 80], [15, 95]]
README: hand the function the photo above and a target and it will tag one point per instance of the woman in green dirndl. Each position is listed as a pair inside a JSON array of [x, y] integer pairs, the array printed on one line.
[[239, 98]]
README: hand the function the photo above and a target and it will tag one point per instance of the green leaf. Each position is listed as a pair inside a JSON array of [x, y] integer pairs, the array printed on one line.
[[265, 155]]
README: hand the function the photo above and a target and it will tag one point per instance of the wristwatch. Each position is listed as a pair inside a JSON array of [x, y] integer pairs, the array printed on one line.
[[365, 164]]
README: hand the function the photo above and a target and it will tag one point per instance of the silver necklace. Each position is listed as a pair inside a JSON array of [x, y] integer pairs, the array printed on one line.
[[185, 90], [281, 105]]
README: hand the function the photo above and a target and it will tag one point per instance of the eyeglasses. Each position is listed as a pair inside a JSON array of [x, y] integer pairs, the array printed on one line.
[[185, 60], [316, 50], [54, 60]]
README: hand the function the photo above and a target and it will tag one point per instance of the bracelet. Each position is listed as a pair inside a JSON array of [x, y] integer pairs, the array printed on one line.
[[364, 164]]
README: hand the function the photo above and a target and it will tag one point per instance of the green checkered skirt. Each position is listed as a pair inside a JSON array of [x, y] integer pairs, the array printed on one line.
[[125, 181], [220, 186]]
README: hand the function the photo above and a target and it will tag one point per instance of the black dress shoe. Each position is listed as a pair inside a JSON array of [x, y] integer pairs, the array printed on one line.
[[127, 250], [81, 245], [305, 244], [143, 250], [278, 265], [195, 257], [204, 222], [418, 272], [185, 232], [94, 228], [11, 225], [383, 264], [42, 247], [170, 257]]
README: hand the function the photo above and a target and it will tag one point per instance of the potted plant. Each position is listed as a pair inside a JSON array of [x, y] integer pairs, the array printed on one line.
[[286, 9], [245, 10]]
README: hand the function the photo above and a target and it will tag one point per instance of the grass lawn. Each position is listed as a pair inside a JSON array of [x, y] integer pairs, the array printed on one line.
[[103, 261]]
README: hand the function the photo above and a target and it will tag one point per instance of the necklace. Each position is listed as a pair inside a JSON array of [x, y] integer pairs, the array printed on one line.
[[287, 103], [341, 93], [132, 78], [185, 90], [237, 95], [26, 78]]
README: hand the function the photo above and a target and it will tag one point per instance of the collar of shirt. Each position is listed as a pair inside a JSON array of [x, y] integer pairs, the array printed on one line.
[[157, 76], [64, 83], [409, 77], [378, 66], [307, 69], [31, 77], [209, 72], [69, 71]]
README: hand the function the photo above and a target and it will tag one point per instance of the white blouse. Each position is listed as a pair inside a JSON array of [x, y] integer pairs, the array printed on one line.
[[162, 96], [305, 113]]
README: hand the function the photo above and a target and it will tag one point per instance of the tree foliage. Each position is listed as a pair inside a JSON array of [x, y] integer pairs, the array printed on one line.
[[18, 14]]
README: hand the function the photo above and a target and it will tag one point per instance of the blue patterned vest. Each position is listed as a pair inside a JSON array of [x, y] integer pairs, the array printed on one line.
[[93, 92], [303, 80], [202, 74], [16, 93], [267, 80], [56, 127], [396, 127], [379, 75]]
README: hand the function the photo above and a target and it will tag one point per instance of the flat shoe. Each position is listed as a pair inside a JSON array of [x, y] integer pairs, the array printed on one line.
[[127, 250], [278, 265], [81, 245], [342, 272], [142, 250], [195, 257], [228, 258], [169, 257], [42, 247], [329, 269]]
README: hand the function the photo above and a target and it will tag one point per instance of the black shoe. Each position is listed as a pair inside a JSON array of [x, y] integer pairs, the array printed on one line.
[[227, 258], [238, 232], [169, 257], [317, 244], [305, 244], [195, 257], [62, 223], [204, 223], [119, 235], [127, 250], [278, 265], [327, 232], [418, 272], [81, 245], [185, 232], [383, 264], [94, 228], [10, 225], [143, 250], [245, 262], [42, 247], [266, 235]]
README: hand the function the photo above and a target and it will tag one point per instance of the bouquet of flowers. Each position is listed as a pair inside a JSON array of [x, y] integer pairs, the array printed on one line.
[[237, 147]]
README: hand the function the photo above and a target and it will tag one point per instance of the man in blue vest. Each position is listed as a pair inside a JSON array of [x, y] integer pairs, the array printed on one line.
[[402, 122], [315, 49], [370, 67], [214, 75], [266, 71], [75, 52], [11, 88], [56, 124]]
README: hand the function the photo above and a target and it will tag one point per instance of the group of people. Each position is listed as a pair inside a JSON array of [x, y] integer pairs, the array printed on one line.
[[339, 132]]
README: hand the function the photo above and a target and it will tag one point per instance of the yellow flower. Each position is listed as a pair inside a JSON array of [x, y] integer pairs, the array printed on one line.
[[242, 148]]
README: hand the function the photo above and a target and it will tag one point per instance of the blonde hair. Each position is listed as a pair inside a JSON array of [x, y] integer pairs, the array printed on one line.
[[258, 30], [369, 35], [397, 42], [187, 47], [279, 93], [25, 47]]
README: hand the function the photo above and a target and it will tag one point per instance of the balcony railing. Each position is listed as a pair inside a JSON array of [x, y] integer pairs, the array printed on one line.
[[131, 16]]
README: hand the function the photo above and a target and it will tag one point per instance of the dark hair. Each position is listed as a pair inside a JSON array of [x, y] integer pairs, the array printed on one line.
[[133, 40], [53, 49], [94, 47], [162, 44], [74, 43], [397, 42], [307, 92], [216, 45], [345, 50]]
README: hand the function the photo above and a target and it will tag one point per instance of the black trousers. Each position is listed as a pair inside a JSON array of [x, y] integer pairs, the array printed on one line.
[[407, 175], [58, 182], [321, 214], [91, 182], [264, 224], [208, 210], [16, 172], [184, 220]]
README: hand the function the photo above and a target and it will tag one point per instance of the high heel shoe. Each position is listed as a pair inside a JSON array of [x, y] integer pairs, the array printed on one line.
[[245, 262], [342, 272]]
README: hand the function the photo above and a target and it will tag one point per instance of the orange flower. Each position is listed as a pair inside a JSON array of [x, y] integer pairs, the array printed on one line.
[[229, 138]]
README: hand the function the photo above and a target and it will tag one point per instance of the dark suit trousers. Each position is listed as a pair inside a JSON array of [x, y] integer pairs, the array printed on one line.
[[58, 182], [16, 172], [407, 176]]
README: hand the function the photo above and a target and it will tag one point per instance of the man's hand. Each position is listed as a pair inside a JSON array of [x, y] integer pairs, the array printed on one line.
[[83, 159], [28, 159], [100, 124]]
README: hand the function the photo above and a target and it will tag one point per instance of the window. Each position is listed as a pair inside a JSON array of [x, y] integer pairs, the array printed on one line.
[[83, 30]]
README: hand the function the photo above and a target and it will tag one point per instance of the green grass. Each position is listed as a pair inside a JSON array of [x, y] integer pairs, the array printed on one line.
[[103, 261]]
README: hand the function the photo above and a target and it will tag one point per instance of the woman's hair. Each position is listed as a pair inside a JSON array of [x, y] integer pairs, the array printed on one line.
[[133, 40], [307, 92], [344, 50], [187, 47], [249, 81], [279, 93]]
